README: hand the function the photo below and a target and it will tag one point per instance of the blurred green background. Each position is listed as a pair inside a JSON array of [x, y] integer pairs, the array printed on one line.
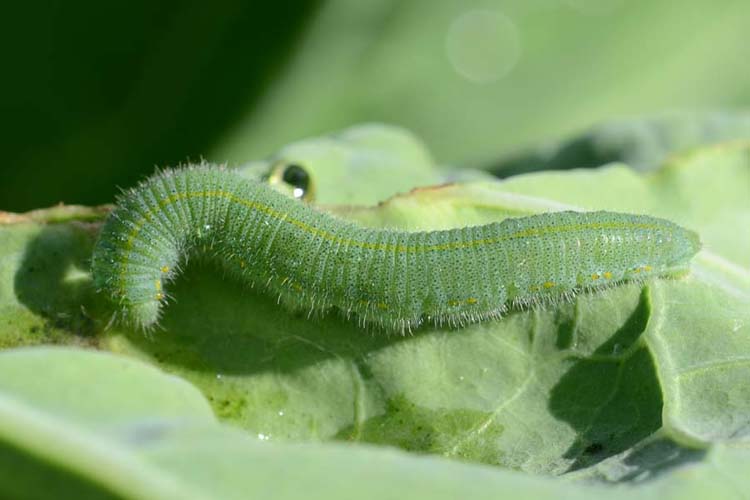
[[93, 95]]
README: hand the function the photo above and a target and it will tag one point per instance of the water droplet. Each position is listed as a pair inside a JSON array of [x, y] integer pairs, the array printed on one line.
[[281, 413], [219, 376], [263, 437]]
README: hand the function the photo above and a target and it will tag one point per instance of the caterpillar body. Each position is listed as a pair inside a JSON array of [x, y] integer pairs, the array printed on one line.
[[393, 279]]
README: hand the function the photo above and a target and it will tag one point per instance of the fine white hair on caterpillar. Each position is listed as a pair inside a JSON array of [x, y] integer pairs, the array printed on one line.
[[395, 280]]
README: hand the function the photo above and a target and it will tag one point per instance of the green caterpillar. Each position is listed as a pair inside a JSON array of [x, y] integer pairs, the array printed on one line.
[[393, 279]]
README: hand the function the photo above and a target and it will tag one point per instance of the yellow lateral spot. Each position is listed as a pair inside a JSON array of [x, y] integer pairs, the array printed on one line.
[[534, 288], [159, 296], [242, 263], [595, 276], [297, 287], [382, 305], [548, 284], [157, 283], [647, 268], [471, 300], [608, 275], [165, 269]]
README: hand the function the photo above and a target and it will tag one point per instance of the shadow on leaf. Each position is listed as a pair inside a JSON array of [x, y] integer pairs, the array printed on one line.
[[613, 397], [654, 458], [216, 324], [53, 281]]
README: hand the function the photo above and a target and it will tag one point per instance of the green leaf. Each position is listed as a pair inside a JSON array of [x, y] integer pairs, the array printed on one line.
[[612, 385], [641, 143], [138, 433], [68, 416]]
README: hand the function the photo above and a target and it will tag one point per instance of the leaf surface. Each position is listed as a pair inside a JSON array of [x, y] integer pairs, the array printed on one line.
[[636, 381]]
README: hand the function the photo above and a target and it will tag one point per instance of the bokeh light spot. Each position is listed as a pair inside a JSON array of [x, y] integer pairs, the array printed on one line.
[[483, 45]]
